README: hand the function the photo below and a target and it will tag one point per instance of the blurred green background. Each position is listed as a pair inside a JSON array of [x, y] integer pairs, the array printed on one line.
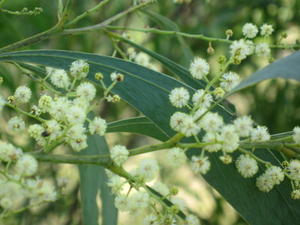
[[274, 103]]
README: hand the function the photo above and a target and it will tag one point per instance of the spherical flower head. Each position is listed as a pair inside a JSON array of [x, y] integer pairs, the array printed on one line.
[[296, 135], [75, 115], [199, 68], [86, 91], [294, 170], [200, 98], [192, 220], [179, 97], [78, 142], [60, 108], [260, 133], [161, 188], [179, 203], [295, 194], [211, 122], [53, 128], [189, 127], [8, 152], [59, 78], [98, 126], [243, 125], [250, 30], [2, 103], [176, 157], [275, 173], [119, 154], [246, 166], [142, 59], [241, 49], [16, 124], [121, 203], [264, 183], [22, 94], [79, 69], [139, 200], [45, 102], [229, 81], [45, 191], [116, 77], [147, 169], [200, 165], [75, 131], [176, 120], [211, 137], [35, 131], [26, 165], [230, 138], [116, 184], [266, 30], [262, 49]]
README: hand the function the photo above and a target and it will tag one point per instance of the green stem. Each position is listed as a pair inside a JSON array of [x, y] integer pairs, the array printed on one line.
[[255, 157], [24, 112], [86, 13]]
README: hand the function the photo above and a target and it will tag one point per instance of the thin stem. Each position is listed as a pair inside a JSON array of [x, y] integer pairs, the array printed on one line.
[[24, 112], [254, 156], [86, 13]]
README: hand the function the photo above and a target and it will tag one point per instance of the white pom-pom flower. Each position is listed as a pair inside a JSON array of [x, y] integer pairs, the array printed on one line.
[[250, 30], [189, 127], [148, 169], [199, 68], [266, 30], [75, 115], [241, 49], [23, 94], [246, 166], [45, 102], [161, 188], [121, 203], [119, 154], [16, 124], [179, 97], [200, 165], [294, 169], [79, 69], [86, 91], [260, 133], [230, 138], [176, 120], [262, 49], [53, 128], [229, 81], [243, 125], [98, 126], [211, 122], [264, 183], [59, 78], [200, 98], [176, 157], [296, 135], [26, 165], [192, 220], [275, 173], [212, 137]]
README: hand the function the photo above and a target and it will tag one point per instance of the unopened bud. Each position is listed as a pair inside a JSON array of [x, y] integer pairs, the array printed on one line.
[[210, 49], [228, 33], [98, 76], [219, 92], [222, 59]]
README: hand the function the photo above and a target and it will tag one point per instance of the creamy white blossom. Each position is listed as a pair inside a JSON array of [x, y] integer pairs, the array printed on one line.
[[260, 133], [79, 69], [192, 220], [229, 138], [8, 152], [229, 81], [177, 119], [200, 165], [75, 115], [264, 183], [262, 49], [22, 94], [59, 78], [246, 166], [26, 165], [179, 97], [86, 91], [16, 124], [199, 68], [119, 154], [294, 169], [212, 137], [295, 194], [202, 99], [138, 200], [98, 126], [115, 183], [243, 125], [240, 49], [296, 135], [142, 59], [266, 30], [161, 188], [275, 173], [250, 30], [211, 122], [175, 157], [45, 103], [147, 169], [53, 128]]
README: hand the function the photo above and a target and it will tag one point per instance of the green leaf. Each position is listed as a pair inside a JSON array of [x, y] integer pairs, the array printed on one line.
[[148, 91], [286, 68], [168, 24], [92, 180], [139, 125]]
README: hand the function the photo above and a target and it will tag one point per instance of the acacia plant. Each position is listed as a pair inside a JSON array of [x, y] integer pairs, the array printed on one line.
[[185, 108]]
